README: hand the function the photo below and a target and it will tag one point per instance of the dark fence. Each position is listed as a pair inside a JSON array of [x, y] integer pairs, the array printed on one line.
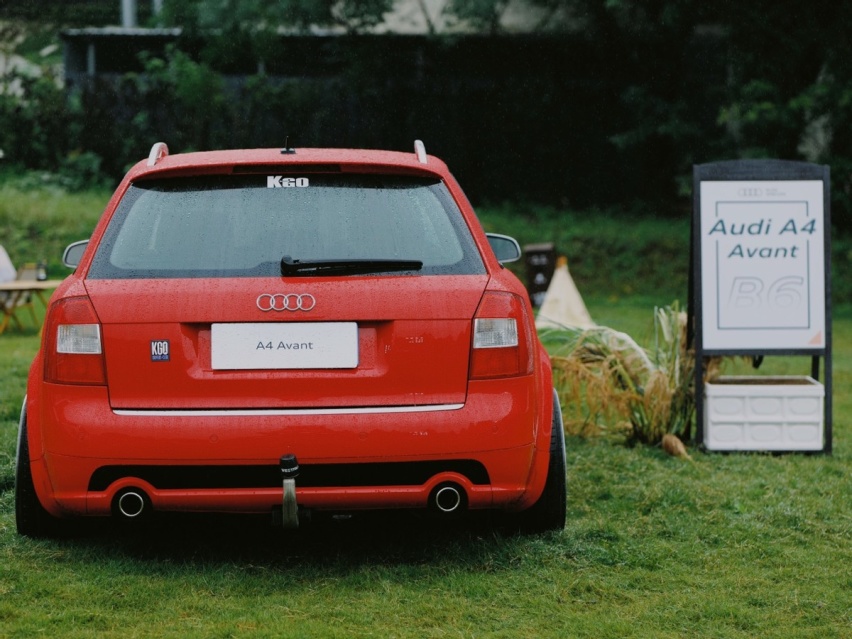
[[545, 119]]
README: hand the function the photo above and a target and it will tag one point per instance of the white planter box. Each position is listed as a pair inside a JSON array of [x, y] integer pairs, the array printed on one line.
[[764, 414]]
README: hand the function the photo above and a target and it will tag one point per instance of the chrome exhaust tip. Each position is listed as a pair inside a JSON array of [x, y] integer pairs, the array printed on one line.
[[130, 504], [449, 498]]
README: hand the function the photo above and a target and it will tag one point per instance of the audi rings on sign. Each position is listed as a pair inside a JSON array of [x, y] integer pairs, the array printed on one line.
[[286, 302]]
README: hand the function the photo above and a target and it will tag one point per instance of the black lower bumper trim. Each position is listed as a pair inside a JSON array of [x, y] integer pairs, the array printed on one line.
[[188, 477]]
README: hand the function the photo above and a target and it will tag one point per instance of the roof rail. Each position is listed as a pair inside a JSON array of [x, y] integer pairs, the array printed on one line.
[[158, 151], [420, 150]]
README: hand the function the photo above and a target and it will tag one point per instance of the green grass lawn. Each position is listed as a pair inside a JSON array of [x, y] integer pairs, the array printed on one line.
[[740, 545]]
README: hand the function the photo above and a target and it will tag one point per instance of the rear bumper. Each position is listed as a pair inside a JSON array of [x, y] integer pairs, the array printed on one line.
[[84, 453], [351, 493]]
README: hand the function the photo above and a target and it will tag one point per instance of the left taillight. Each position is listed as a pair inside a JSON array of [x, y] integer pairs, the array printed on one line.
[[502, 337], [73, 352]]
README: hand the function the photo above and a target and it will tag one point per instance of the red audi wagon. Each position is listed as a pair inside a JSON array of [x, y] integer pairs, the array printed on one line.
[[289, 331]]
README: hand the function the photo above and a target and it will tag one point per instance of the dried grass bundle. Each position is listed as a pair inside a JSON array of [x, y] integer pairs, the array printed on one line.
[[591, 404], [608, 384]]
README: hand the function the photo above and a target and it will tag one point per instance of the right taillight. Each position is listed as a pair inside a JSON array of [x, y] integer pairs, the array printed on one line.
[[73, 351], [500, 346]]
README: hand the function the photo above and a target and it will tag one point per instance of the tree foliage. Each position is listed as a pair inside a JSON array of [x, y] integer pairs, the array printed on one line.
[[680, 82], [788, 68], [267, 16]]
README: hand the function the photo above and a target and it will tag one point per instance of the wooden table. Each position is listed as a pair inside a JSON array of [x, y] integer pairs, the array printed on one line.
[[12, 293]]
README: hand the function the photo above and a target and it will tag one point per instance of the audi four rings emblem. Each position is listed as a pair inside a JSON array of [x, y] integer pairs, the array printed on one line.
[[288, 302]]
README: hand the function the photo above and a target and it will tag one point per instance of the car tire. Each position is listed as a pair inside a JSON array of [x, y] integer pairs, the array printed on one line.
[[549, 512], [31, 518]]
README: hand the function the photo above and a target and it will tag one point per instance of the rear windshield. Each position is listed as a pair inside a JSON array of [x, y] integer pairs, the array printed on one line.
[[242, 226]]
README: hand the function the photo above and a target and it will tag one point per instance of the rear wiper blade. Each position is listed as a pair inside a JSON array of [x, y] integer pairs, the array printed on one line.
[[289, 266]]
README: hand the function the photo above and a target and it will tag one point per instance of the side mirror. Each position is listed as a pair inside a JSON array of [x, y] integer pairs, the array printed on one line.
[[505, 248], [74, 253]]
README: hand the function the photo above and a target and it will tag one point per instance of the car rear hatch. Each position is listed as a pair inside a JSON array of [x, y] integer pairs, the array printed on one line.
[[203, 344], [302, 291]]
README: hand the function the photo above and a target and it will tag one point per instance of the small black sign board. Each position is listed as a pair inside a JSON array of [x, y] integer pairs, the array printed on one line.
[[760, 286], [540, 263]]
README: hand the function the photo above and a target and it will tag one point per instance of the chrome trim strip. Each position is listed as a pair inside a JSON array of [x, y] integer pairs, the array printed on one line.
[[283, 412]]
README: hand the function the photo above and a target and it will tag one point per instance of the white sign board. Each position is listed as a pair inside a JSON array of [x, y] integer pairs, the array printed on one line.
[[763, 265]]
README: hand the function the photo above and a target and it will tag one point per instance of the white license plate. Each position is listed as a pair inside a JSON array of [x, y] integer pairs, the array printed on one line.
[[284, 346]]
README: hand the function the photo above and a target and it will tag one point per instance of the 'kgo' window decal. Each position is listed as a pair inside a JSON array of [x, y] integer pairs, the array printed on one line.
[[281, 182]]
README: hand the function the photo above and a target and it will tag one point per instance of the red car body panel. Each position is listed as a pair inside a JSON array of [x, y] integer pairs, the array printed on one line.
[[407, 326], [381, 435]]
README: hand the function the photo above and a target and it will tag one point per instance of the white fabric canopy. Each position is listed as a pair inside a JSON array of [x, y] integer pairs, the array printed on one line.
[[7, 269], [563, 306]]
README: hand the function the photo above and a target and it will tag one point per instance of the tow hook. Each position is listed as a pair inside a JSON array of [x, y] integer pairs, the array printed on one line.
[[289, 472]]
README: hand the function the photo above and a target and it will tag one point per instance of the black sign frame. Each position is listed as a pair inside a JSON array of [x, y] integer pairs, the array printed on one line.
[[757, 171]]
